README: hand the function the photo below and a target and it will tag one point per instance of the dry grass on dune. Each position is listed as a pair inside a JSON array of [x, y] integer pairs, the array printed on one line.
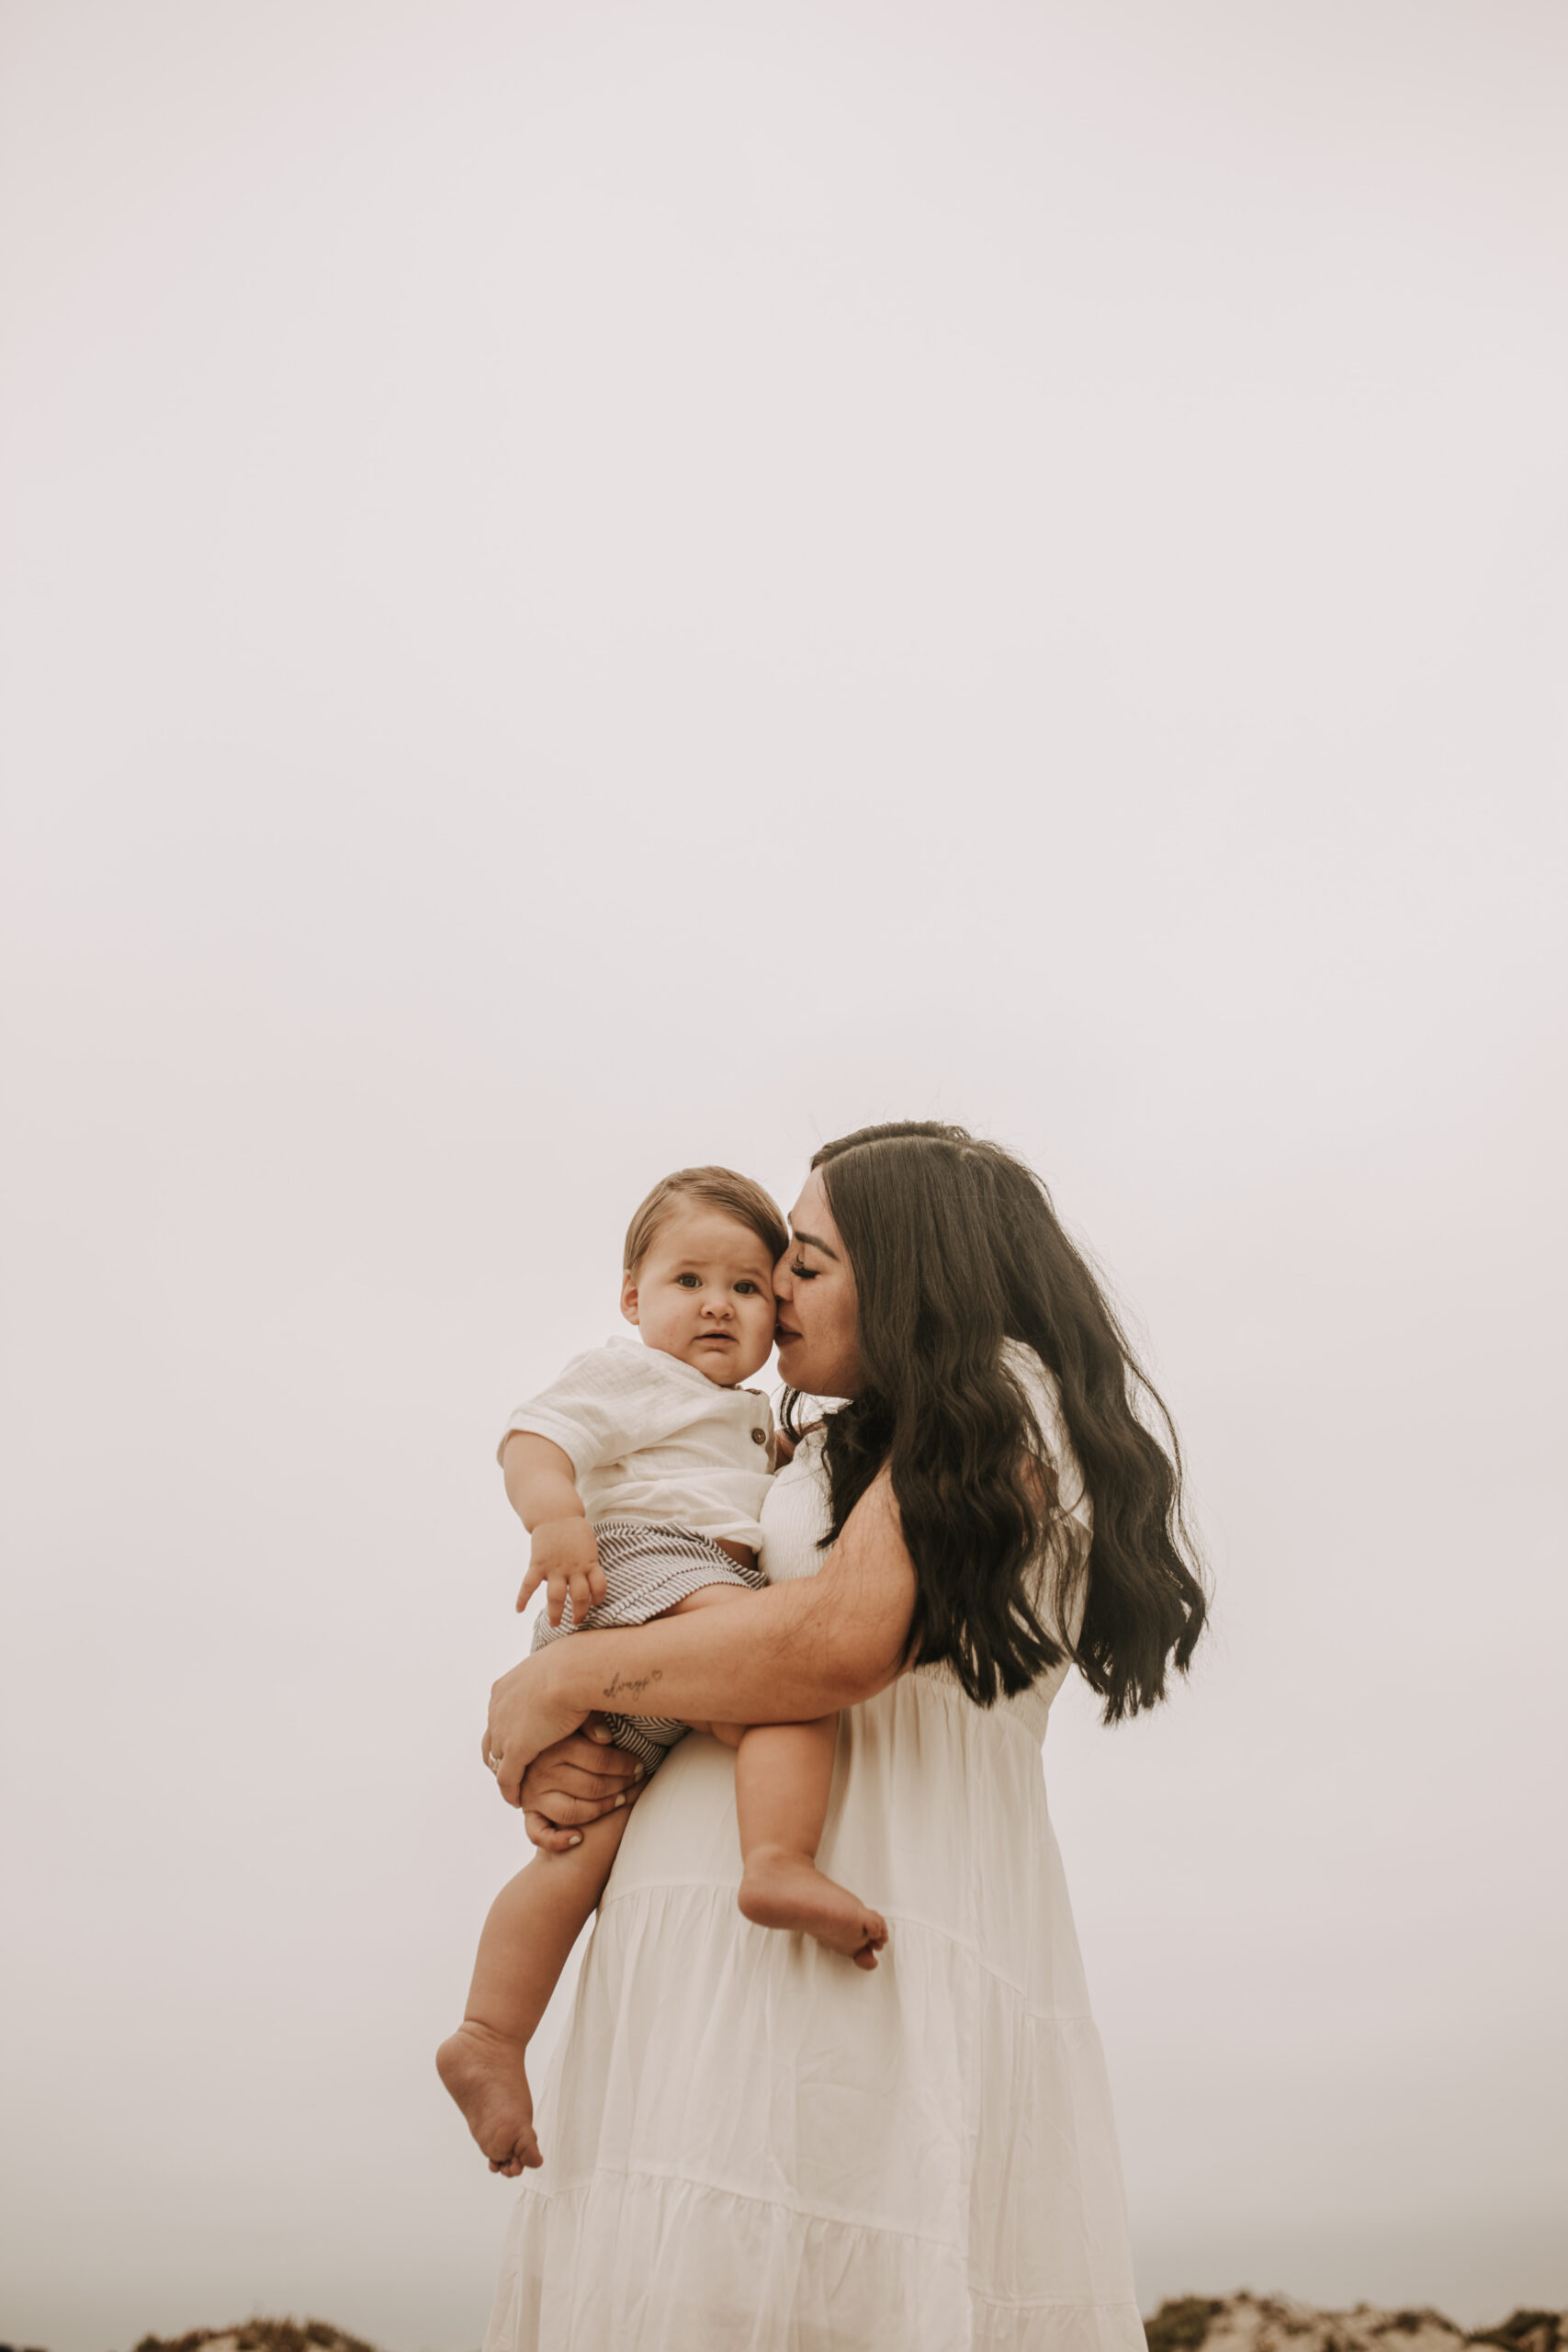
[[1274, 2323], [259, 2335], [253, 2335], [1186, 2324]]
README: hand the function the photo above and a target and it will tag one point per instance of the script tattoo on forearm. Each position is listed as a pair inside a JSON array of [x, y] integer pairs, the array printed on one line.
[[630, 1686]]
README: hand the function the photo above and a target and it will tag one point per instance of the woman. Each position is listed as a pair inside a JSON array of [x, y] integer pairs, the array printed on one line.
[[748, 2142]]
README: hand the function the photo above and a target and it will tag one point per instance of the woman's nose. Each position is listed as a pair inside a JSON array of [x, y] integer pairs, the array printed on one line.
[[783, 1286]]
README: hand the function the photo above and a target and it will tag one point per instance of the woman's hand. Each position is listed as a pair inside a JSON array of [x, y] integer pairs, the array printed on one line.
[[575, 1781], [528, 1715]]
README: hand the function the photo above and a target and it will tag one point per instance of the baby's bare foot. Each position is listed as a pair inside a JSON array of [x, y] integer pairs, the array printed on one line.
[[784, 1889], [485, 2075]]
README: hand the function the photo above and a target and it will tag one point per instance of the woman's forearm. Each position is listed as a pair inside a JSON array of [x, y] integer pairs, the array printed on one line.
[[789, 1655], [783, 1658]]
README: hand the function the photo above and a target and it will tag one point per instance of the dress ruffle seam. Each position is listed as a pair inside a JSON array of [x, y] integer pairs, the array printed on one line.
[[939, 1678], [1053, 2303], [839, 2221], [611, 1902]]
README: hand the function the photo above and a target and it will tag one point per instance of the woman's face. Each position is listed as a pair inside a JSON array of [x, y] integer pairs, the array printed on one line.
[[819, 1317]]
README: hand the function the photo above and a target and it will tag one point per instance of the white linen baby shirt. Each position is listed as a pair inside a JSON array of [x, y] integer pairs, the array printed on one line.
[[651, 1438]]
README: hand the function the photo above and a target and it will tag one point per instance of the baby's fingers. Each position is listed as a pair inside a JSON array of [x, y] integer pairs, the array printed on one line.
[[584, 1596], [531, 1583], [558, 1596]]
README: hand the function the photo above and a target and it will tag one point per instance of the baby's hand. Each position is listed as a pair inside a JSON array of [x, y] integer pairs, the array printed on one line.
[[565, 1556]]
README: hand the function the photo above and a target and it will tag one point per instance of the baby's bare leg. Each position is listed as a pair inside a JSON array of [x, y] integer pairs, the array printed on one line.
[[526, 1941], [784, 1774]]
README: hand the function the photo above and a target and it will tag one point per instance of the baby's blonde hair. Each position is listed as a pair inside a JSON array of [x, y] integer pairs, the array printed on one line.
[[716, 1188]]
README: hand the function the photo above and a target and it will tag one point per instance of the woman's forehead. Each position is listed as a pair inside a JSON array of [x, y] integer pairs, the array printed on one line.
[[813, 1196], [811, 1220]]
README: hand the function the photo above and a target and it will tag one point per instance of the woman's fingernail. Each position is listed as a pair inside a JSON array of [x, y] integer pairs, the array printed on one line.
[[575, 1841], [620, 1800], [638, 1772], [602, 1736]]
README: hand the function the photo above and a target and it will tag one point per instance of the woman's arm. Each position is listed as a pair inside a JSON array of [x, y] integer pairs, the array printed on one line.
[[794, 1653]]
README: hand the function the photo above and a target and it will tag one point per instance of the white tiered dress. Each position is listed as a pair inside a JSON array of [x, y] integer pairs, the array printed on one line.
[[752, 2147]]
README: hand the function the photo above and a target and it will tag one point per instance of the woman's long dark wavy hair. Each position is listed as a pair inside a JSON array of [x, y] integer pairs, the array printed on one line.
[[956, 1248]]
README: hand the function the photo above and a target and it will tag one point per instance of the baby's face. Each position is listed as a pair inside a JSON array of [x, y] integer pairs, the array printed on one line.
[[705, 1295]]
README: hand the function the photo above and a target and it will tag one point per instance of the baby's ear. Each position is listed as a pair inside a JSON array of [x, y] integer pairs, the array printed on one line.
[[628, 1298]]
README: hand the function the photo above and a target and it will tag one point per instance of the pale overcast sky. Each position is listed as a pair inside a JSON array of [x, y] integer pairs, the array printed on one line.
[[590, 588]]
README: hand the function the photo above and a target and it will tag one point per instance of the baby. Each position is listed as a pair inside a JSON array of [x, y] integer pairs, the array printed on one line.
[[641, 1477]]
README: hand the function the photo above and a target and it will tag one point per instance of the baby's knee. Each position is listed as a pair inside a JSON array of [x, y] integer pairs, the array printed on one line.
[[731, 1735]]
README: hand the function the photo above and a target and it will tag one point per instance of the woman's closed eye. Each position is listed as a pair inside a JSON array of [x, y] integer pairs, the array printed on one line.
[[803, 1274]]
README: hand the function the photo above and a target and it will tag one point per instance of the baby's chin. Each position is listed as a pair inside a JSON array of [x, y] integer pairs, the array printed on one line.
[[726, 1366]]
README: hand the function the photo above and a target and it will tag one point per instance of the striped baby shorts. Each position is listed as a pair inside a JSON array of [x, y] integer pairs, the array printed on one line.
[[648, 1570]]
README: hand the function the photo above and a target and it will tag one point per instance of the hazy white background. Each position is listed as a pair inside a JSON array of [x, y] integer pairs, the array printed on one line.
[[589, 587]]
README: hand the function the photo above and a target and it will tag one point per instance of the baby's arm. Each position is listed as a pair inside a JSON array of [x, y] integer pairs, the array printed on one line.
[[542, 1490]]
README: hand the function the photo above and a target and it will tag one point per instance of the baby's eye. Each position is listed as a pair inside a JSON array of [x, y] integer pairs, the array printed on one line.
[[746, 1283], [689, 1281]]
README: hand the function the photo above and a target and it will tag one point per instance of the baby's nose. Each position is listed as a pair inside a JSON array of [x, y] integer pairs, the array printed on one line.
[[717, 1306]]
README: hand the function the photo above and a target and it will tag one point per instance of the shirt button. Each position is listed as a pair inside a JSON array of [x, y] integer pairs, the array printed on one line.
[[758, 1437]]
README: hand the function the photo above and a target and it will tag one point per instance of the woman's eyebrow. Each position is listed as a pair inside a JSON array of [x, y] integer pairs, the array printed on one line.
[[812, 1243]]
